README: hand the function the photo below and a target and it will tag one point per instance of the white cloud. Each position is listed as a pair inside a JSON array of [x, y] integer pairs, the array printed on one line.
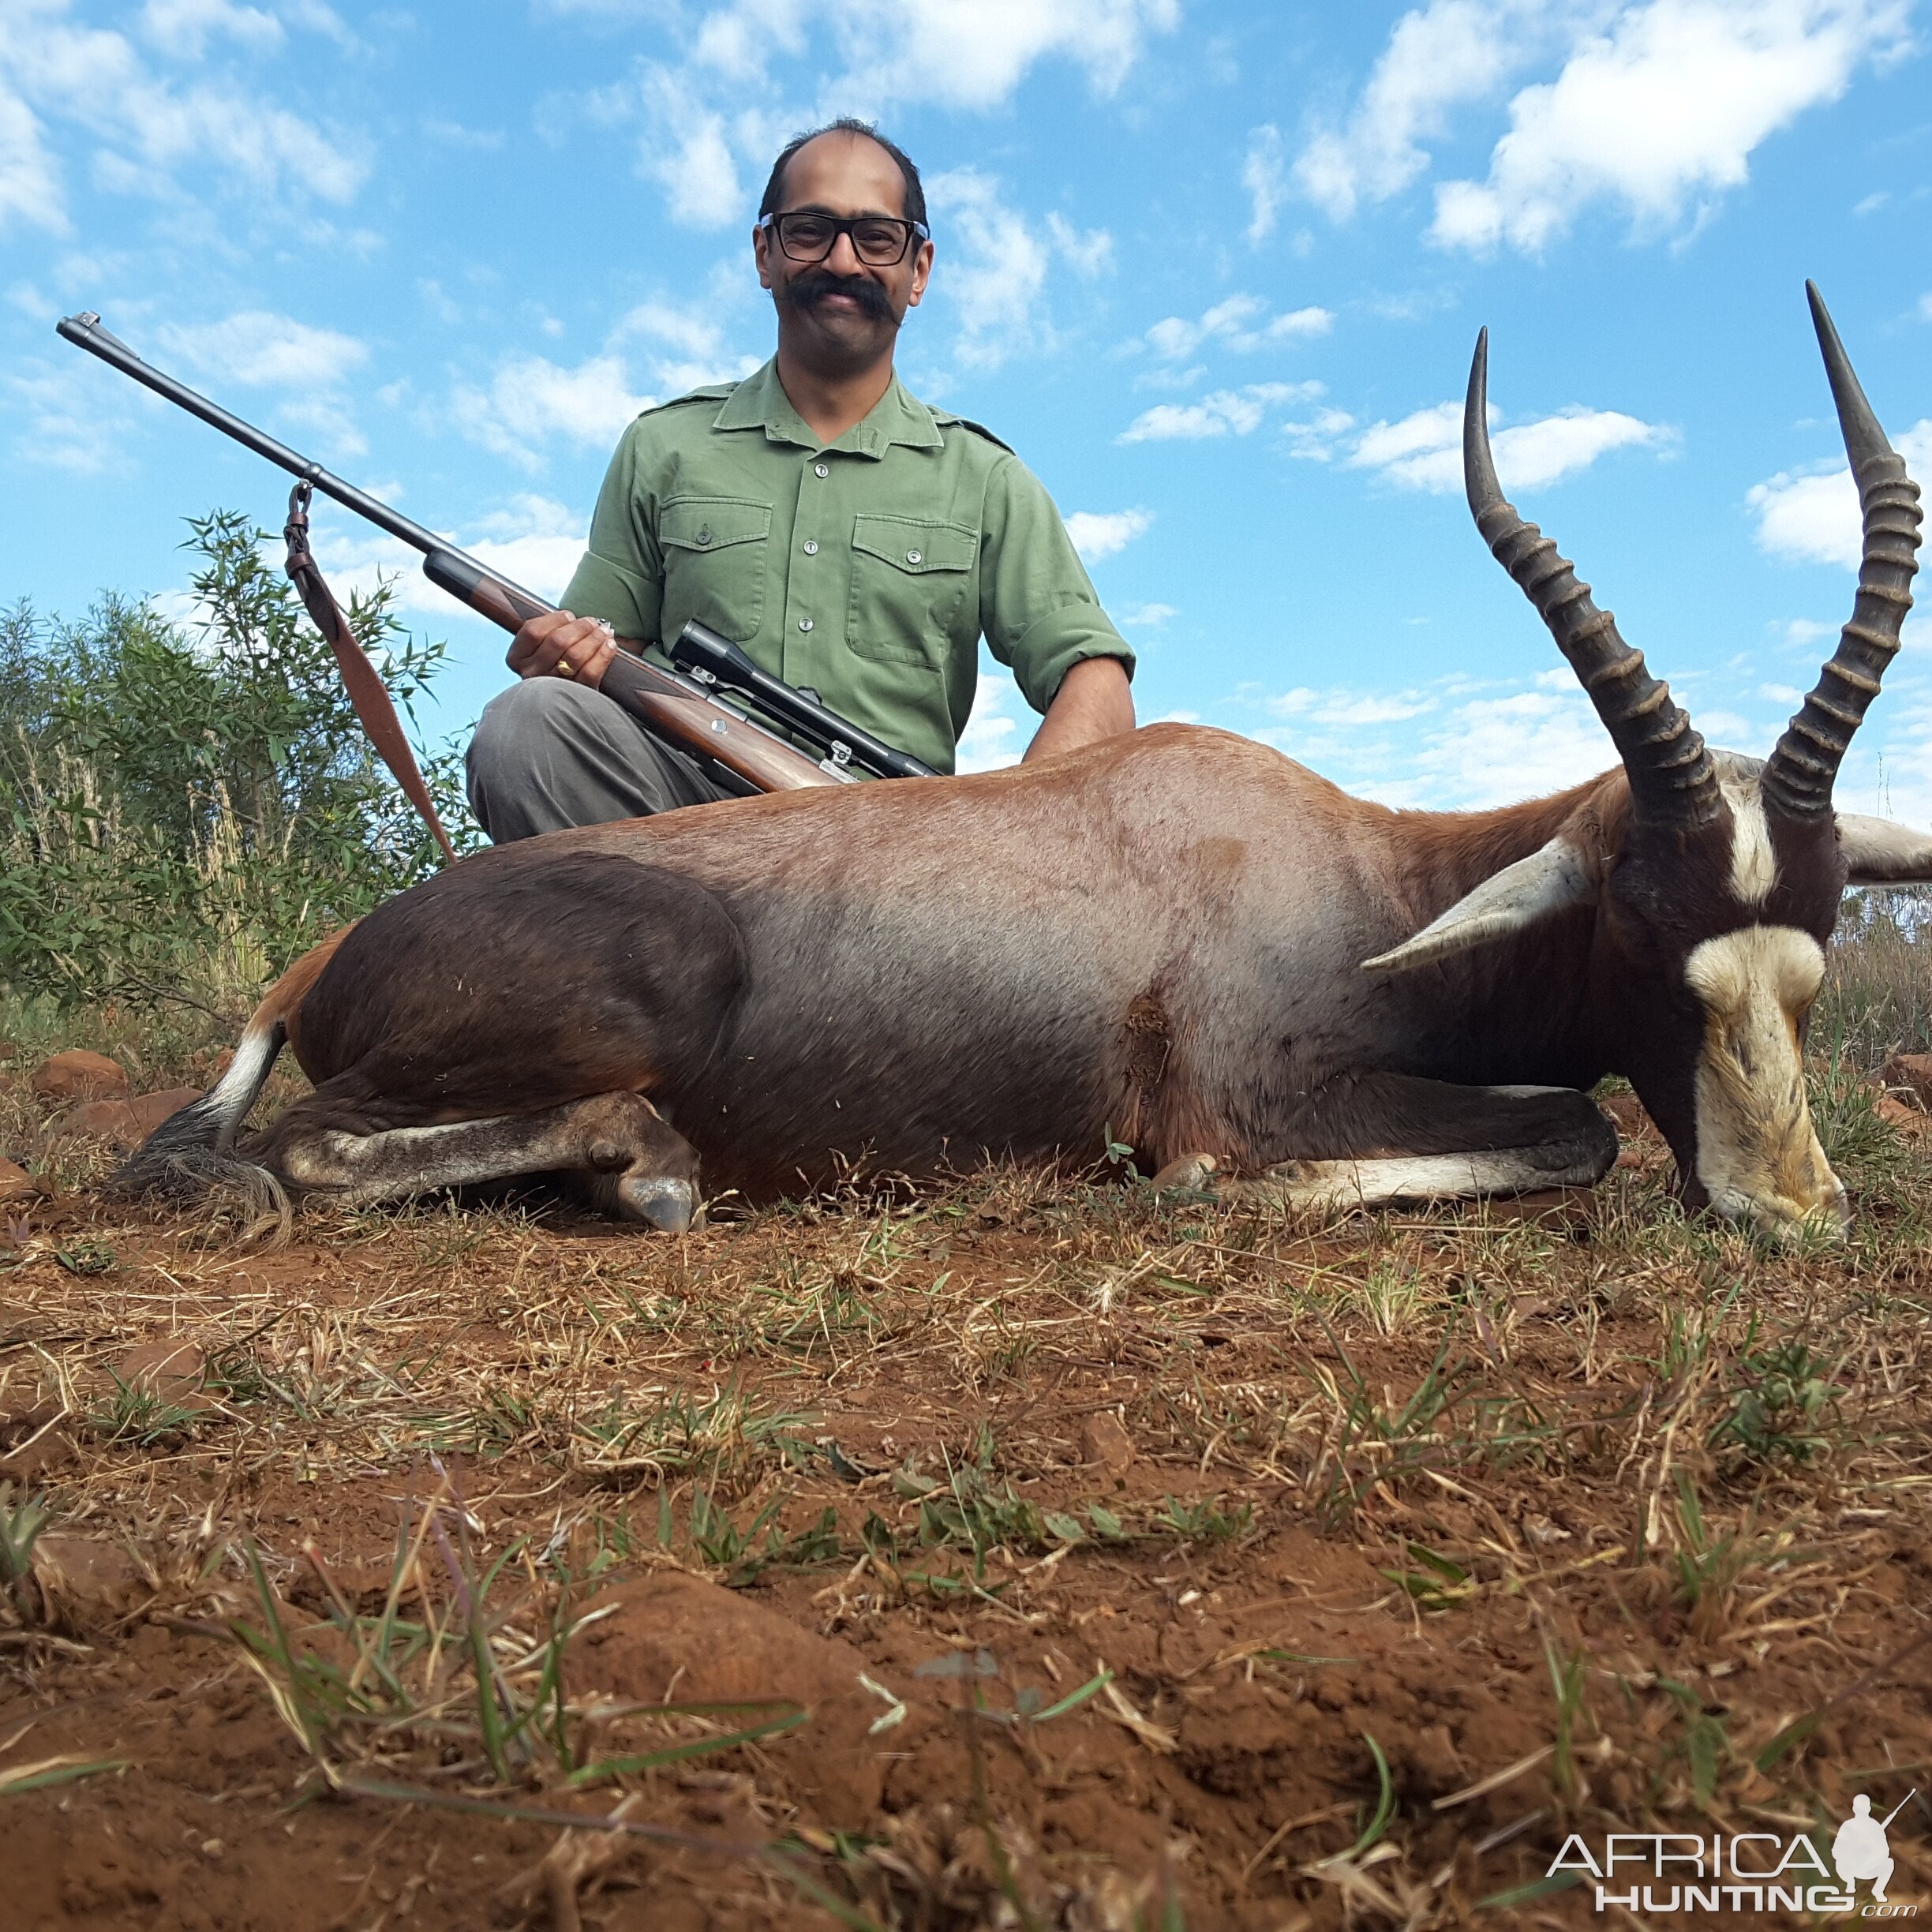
[[1350, 710], [30, 188], [148, 128], [183, 28], [1237, 322], [1098, 534], [266, 350], [1660, 115], [1425, 450], [1264, 176], [1494, 751], [686, 150], [531, 400], [1473, 750], [1145, 616], [1811, 516], [871, 54], [1088, 252], [993, 272], [1316, 440], [992, 738], [74, 421], [686, 348], [534, 541], [1439, 57], [1225, 412], [972, 53], [325, 423]]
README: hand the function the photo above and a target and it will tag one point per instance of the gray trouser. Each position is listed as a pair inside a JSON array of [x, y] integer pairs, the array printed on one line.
[[548, 754]]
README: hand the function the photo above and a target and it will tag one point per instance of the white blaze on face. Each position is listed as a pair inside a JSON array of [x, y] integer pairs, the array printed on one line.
[[1757, 1155], [1753, 864]]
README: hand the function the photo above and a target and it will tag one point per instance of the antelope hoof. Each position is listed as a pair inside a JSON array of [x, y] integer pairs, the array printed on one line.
[[659, 1200]]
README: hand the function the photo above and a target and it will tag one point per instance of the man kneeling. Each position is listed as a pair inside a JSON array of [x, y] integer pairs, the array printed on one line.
[[853, 540]]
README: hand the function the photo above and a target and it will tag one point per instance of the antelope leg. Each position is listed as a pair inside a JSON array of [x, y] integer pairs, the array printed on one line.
[[1391, 1137], [620, 1135]]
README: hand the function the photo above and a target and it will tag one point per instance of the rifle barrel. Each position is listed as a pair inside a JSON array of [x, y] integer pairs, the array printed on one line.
[[84, 332]]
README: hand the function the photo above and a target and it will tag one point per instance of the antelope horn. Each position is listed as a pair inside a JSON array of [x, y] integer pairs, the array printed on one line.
[[1670, 778], [1797, 777]]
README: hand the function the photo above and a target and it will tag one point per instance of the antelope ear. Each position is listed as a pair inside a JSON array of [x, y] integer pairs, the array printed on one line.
[[1551, 880], [1878, 853]]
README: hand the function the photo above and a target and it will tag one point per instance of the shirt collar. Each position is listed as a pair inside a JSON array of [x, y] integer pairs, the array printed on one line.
[[760, 402]]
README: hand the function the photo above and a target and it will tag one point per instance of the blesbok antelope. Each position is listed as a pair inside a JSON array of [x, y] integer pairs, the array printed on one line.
[[1180, 936]]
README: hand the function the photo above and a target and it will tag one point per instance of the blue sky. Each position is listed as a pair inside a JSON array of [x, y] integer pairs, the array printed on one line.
[[1213, 270]]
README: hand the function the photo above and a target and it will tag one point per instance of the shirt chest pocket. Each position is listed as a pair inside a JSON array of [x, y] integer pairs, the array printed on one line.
[[910, 579], [714, 551]]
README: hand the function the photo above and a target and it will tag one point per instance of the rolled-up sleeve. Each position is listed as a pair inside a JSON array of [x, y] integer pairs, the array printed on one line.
[[1037, 606], [621, 576]]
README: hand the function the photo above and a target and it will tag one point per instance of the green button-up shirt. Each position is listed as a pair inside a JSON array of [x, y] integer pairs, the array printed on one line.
[[867, 568]]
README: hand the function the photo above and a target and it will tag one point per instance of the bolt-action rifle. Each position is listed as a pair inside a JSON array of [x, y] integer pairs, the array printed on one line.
[[675, 705]]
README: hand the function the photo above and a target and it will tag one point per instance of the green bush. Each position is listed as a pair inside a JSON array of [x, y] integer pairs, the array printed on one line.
[[186, 814]]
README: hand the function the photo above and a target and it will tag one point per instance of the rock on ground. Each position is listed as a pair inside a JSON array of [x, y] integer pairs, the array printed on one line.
[[673, 1638], [79, 1075]]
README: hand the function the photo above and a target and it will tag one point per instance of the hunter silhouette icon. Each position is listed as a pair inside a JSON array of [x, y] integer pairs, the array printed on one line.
[[1860, 1850]]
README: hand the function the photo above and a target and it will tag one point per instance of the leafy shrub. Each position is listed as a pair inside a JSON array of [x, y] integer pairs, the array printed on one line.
[[186, 814]]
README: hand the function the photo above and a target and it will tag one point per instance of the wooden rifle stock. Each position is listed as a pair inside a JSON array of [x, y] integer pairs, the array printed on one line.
[[666, 704]]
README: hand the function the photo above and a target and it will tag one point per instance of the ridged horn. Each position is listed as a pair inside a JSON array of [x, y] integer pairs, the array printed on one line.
[[1670, 778], [1797, 777]]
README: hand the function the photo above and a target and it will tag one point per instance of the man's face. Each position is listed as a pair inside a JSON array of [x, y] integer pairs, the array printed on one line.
[[841, 313]]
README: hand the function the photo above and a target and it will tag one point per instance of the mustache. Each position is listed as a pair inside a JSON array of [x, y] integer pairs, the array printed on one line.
[[808, 290]]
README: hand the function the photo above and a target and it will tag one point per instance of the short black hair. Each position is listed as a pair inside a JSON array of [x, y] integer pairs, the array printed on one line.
[[847, 124]]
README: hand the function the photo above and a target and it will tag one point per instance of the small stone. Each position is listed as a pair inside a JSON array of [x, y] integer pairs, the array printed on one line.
[[112, 1121], [170, 1368], [82, 1581], [9, 1049], [675, 1636], [1908, 1077], [79, 1075], [1907, 1119], [1104, 1439], [151, 1109], [1188, 1171], [1627, 1116], [15, 1181]]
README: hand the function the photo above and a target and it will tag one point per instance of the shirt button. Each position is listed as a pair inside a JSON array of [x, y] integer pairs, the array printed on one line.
[[811, 546], [820, 470], [704, 536], [805, 623], [914, 556]]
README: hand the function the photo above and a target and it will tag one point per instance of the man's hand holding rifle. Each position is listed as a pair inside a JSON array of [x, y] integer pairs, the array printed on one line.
[[561, 644]]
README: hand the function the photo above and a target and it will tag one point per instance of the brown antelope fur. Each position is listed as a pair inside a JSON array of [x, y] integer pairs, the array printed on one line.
[[1179, 938]]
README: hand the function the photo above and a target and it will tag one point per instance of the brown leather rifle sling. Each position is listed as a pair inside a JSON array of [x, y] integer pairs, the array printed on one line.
[[374, 707]]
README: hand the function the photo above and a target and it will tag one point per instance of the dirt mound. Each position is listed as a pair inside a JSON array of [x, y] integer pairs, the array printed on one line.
[[674, 1638]]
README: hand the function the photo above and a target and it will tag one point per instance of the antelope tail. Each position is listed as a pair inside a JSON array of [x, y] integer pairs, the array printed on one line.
[[190, 1154]]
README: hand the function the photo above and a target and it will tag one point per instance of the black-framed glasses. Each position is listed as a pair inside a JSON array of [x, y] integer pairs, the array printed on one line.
[[877, 240]]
